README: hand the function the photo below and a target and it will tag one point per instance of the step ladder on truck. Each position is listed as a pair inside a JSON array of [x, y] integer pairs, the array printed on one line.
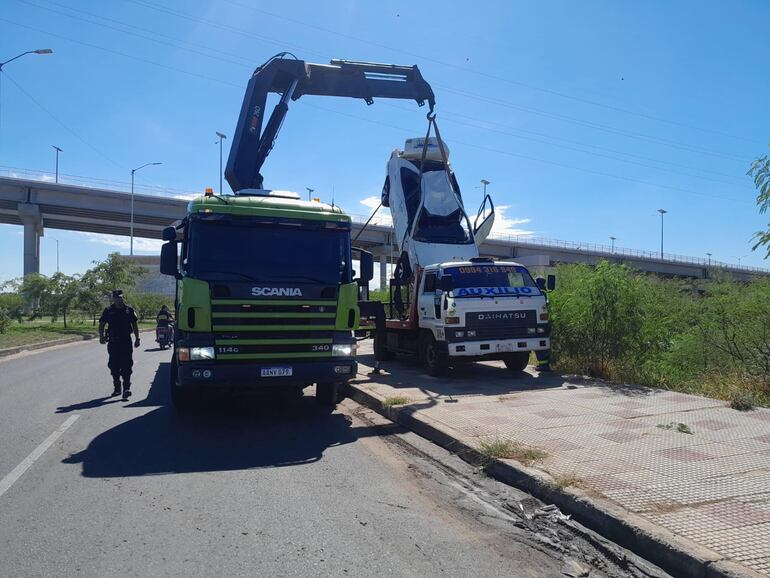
[[447, 303]]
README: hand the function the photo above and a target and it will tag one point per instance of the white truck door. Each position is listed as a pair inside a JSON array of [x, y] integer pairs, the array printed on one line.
[[426, 299], [485, 218]]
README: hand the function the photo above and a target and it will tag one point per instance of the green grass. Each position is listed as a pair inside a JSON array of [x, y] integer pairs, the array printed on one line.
[[40, 330], [508, 450], [396, 400], [680, 427]]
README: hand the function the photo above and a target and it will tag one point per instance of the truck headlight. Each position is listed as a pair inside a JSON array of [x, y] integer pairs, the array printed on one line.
[[201, 353], [459, 333], [343, 349], [471, 333]]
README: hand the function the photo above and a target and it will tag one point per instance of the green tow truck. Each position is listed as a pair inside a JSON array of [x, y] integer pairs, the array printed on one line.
[[265, 290], [265, 295]]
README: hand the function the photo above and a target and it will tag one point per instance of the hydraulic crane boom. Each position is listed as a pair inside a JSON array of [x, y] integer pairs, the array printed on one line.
[[292, 78]]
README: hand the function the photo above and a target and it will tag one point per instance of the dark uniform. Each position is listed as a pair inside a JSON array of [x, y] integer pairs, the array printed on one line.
[[120, 345]]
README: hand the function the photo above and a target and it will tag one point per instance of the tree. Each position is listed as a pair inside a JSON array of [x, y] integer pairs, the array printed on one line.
[[56, 294], [117, 272], [760, 172]]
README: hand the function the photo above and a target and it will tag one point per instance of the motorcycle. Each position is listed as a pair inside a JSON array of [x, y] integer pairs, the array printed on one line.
[[164, 335]]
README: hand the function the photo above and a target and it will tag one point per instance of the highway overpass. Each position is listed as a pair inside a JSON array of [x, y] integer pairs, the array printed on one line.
[[37, 205]]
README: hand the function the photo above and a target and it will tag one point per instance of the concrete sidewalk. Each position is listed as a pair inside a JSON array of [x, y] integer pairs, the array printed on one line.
[[692, 469]]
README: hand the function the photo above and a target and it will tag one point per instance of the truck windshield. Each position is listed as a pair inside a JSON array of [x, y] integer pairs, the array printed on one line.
[[242, 250], [491, 280]]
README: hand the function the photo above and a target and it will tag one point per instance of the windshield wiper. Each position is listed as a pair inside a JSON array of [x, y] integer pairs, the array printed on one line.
[[235, 273], [305, 277]]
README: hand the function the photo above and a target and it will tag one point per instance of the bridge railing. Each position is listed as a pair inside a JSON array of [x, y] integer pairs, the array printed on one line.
[[93, 182], [385, 221], [594, 248]]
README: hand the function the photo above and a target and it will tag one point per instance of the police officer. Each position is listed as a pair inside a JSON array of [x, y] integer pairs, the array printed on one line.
[[121, 321]]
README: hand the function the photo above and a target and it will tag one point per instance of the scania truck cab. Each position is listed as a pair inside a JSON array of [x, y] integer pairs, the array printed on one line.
[[470, 311], [265, 295]]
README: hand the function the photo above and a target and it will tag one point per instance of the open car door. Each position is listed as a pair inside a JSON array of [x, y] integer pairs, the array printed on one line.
[[485, 218]]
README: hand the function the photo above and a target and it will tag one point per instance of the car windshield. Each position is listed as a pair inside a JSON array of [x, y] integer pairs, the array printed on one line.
[[235, 249], [492, 280]]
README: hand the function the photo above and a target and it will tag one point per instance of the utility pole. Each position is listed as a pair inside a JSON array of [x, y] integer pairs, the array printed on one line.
[[58, 150], [309, 193], [662, 212], [131, 250], [612, 241], [221, 138]]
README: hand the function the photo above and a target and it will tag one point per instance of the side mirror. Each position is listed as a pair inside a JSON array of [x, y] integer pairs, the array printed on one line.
[[168, 259], [447, 283], [551, 283], [367, 268], [169, 234], [540, 283]]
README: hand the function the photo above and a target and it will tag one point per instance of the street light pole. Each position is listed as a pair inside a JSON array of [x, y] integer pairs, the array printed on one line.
[[57, 255], [131, 249], [612, 240], [485, 182], [38, 51], [662, 212], [309, 192], [709, 254], [221, 138], [58, 150]]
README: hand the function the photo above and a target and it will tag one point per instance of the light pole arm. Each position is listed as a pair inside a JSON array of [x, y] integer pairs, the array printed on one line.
[[15, 57]]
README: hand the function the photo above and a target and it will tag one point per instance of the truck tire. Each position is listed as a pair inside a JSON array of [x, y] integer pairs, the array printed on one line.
[[181, 399], [381, 351], [327, 393], [434, 355], [517, 361]]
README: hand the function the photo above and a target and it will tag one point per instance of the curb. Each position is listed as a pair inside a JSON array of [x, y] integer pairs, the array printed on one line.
[[675, 555], [52, 343]]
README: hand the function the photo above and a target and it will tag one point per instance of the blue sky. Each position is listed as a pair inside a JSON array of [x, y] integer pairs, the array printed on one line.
[[586, 116]]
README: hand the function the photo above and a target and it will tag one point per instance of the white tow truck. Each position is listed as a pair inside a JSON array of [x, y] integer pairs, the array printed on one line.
[[447, 304]]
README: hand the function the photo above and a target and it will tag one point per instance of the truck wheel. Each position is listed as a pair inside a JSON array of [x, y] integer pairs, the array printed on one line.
[[434, 355], [381, 351], [181, 399], [326, 393], [517, 361]]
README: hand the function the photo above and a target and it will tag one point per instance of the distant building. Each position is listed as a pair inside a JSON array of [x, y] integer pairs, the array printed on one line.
[[153, 281]]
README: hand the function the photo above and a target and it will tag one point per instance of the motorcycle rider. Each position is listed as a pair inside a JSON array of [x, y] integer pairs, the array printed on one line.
[[164, 317], [163, 320]]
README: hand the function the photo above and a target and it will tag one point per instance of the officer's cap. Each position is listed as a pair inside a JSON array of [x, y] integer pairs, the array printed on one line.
[[117, 293]]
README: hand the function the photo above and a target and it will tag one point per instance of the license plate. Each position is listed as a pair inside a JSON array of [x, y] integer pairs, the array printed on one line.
[[276, 371], [503, 347]]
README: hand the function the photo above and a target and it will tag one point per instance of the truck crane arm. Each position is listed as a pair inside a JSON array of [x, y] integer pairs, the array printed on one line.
[[293, 78]]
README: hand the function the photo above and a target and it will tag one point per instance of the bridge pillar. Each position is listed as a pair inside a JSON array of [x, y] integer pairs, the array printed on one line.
[[383, 271], [33, 230]]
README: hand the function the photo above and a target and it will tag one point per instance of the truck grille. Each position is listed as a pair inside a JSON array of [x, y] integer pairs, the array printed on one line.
[[265, 330], [492, 333]]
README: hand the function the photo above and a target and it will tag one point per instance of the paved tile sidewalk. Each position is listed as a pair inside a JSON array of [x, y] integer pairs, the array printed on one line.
[[711, 486]]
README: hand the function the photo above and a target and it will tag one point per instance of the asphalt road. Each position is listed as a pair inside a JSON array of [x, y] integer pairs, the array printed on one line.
[[248, 488]]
